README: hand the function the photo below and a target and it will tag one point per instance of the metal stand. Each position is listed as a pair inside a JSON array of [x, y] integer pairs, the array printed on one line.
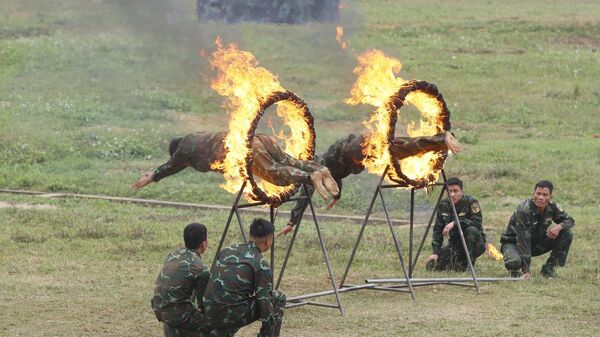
[[408, 281], [297, 300]]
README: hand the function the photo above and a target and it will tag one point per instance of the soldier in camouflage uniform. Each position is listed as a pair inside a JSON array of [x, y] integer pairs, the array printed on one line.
[[271, 163], [530, 233], [345, 157], [240, 289], [452, 256], [180, 285]]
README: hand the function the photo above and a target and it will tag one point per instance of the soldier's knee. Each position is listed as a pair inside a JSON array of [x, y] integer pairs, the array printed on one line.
[[566, 236], [513, 262]]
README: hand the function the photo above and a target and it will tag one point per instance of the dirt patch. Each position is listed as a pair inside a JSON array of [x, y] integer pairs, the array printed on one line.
[[589, 42], [4, 204]]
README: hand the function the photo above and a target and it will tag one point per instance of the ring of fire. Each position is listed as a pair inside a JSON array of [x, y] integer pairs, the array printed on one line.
[[438, 113], [269, 193]]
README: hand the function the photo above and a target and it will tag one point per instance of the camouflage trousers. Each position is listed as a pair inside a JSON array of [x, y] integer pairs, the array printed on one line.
[[559, 247], [183, 322], [272, 164], [228, 320], [453, 257]]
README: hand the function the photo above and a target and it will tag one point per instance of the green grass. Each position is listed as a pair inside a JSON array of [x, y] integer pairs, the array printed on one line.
[[91, 92]]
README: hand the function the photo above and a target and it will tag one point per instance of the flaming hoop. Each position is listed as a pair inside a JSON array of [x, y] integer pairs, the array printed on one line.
[[250, 91], [378, 85], [424, 168]]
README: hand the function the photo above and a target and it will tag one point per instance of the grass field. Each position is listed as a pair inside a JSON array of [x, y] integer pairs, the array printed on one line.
[[91, 92]]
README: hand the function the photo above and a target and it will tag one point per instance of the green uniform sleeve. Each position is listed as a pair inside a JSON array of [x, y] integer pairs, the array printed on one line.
[[561, 217], [203, 278], [300, 206], [437, 238], [263, 290], [521, 224], [176, 163]]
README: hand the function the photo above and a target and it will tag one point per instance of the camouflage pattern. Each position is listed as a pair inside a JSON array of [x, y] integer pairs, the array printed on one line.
[[240, 291], [178, 292], [271, 163], [525, 236], [344, 157], [452, 256], [275, 11]]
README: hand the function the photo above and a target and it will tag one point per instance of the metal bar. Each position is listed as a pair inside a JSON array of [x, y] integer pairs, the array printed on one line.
[[397, 244], [462, 236], [411, 230], [325, 254], [327, 292], [287, 254], [447, 279], [272, 218], [233, 209], [362, 228], [414, 263], [241, 223], [293, 305], [252, 204], [320, 304]]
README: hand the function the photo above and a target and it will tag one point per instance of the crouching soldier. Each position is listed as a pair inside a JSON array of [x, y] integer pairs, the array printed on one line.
[[240, 289], [180, 285], [530, 233]]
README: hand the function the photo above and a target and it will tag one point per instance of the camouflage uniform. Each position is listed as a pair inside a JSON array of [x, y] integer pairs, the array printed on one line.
[[345, 156], [240, 291], [271, 163], [180, 284], [525, 236], [452, 256]]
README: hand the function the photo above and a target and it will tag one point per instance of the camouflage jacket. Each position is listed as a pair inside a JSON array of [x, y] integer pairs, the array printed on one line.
[[240, 273], [469, 214], [180, 284], [344, 157], [197, 150], [527, 226]]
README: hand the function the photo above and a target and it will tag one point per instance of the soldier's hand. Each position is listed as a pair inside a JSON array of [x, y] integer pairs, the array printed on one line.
[[554, 231], [144, 180], [285, 230], [432, 257], [526, 275], [448, 228], [332, 203]]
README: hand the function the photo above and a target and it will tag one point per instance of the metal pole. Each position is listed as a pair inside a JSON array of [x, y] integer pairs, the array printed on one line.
[[362, 228], [233, 209], [462, 236], [325, 255], [241, 223], [447, 279], [414, 263], [397, 244], [287, 255], [411, 229], [272, 218]]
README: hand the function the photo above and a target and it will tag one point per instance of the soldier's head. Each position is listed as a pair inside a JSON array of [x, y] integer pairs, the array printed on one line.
[[261, 233], [455, 188], [173, 145], [195, 237], [542, 194]]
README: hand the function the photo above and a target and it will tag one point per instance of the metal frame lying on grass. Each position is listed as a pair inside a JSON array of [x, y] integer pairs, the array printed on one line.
[[291, 301]]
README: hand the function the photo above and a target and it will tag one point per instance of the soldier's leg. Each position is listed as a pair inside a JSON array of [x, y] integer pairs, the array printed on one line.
[[170, 331], [475, 242], [559, 248], [444, 258], [513, 261], [278, 306], [403, 147]]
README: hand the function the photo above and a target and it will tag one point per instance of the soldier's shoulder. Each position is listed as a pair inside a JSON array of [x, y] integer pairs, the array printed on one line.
[[471, 199], [524, 206], [555, 206]]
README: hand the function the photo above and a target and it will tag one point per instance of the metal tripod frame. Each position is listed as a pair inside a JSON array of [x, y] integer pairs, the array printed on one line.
[[408, 281], [297, 300]]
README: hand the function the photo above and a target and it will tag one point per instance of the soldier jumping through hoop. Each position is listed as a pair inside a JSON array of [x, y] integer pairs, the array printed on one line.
[[270, 162]]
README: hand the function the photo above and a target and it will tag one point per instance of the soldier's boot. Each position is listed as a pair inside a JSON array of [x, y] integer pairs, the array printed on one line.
[[548, 270], [316, 179]]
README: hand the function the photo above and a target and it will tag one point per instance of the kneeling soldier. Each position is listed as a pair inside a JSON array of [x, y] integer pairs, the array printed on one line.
[[240, 290], [180, 285]]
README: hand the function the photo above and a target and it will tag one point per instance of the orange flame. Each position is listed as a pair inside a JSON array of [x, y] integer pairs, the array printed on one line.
[[493, 253], [339, 33], [246, 85], [375, 84]]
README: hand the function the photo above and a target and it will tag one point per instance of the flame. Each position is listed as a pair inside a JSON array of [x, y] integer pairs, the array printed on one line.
[[493, 253], [246, 85], [339, 33], [376, 83]]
